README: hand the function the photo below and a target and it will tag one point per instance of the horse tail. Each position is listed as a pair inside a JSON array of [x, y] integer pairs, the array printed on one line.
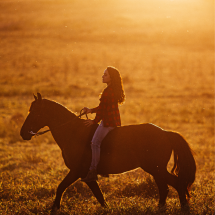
[[184, 164]]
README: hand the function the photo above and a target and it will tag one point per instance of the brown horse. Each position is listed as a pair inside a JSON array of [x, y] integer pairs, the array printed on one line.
[[124, 148]]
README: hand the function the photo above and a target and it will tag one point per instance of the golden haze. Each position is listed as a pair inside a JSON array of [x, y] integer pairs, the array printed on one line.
[[165, 52]]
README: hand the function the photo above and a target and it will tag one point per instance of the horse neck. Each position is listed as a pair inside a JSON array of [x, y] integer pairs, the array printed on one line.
[[64, 126], [57, 114]]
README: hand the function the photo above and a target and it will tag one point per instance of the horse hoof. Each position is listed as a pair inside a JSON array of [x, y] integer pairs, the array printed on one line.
[[185, 208], [54, 210], [162, 206], [105, 205]]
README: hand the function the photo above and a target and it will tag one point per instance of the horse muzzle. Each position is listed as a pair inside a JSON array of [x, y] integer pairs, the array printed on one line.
[[26, 135]]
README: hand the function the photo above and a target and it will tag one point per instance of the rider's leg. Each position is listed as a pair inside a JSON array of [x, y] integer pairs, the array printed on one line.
[[99, 135]]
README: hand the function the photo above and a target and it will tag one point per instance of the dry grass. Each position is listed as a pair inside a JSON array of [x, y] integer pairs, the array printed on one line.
[[165, 52]]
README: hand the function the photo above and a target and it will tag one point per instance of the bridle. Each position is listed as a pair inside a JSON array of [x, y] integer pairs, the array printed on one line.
[[43, 132]]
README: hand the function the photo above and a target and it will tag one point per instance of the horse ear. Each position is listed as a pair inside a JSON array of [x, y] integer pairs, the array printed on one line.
[[35, 97], [39, 96]]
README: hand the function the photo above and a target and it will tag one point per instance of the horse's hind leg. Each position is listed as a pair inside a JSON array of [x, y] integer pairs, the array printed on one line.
[[93, 185], [174, 182], [162, 187], [68, 180]]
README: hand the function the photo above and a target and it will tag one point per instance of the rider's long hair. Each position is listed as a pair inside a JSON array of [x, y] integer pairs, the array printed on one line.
[[116, 83]]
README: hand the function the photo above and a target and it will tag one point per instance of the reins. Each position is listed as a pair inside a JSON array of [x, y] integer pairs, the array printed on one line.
[[43, 132]]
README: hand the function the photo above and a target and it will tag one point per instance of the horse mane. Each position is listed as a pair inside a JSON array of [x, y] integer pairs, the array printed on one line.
[[63, 109]]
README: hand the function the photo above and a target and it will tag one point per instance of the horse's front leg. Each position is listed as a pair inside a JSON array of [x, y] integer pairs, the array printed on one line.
[[93, 185], [68, 180]]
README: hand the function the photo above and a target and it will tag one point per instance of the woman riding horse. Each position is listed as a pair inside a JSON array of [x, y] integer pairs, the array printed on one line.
[[108, 113], [124, 148]]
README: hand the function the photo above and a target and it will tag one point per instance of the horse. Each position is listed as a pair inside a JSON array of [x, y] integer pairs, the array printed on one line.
[[125, 148]]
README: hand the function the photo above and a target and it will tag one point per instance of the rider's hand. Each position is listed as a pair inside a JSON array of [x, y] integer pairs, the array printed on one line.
[[88, 122], [87, 110]]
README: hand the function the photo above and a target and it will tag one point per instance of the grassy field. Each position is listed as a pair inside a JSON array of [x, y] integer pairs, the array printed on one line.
[[164, 50]]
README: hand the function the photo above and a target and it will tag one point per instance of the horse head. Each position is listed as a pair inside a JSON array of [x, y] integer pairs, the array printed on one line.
[[35, 119]]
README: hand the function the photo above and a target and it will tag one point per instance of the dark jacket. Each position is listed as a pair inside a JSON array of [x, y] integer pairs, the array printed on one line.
[[108, 110]]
